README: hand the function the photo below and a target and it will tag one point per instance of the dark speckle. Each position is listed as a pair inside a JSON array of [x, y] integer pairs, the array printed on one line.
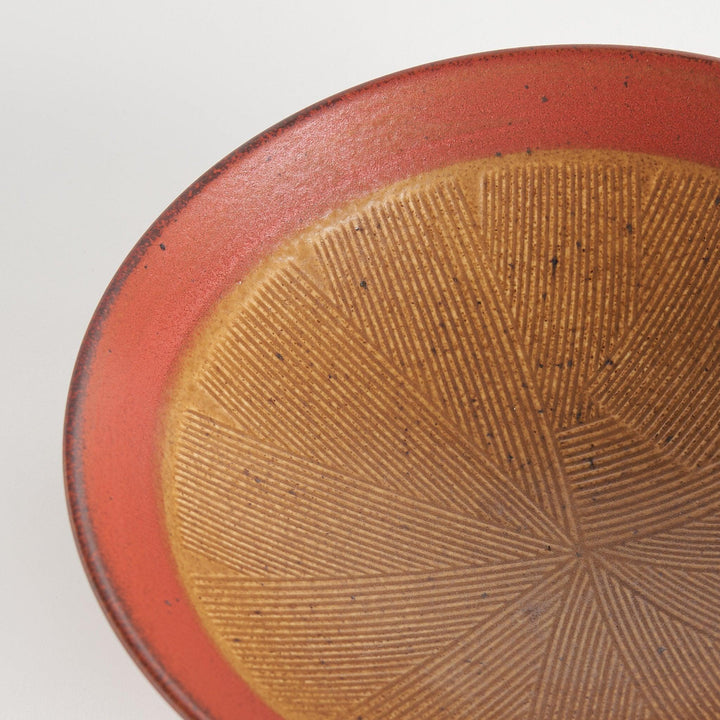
[[363, 283], [543, 99], [629, 227], [554, 262], [717, 201], [279, 356], [661, 650], [162, 246], [498, 154], [527, 87], [528, 151], [609, 361]]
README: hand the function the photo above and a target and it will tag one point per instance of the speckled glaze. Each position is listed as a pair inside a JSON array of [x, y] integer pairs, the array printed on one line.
[[525, 102]]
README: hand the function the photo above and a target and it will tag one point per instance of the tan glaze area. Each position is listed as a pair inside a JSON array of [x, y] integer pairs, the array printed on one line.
[[454, 453]]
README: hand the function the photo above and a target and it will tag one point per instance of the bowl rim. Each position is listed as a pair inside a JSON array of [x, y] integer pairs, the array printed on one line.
[[689, 130]]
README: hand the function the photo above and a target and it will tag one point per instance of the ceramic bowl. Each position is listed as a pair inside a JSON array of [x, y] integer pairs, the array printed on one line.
[[408, 408]]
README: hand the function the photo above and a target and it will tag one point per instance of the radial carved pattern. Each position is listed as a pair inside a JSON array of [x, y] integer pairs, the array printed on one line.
[[456, 452]]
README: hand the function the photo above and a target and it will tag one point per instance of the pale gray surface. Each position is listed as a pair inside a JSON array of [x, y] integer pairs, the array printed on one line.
[[108, 111]]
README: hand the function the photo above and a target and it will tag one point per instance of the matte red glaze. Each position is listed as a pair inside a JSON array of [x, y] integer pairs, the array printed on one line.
[[346, 147]]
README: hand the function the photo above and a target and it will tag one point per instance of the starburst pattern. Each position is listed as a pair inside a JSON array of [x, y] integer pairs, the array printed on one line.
[[456, 453]]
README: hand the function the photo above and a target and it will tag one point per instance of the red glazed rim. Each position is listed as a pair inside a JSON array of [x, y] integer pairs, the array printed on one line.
[[636, 100]]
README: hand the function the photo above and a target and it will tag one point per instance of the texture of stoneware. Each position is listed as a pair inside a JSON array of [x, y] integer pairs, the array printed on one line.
[[409, 408]]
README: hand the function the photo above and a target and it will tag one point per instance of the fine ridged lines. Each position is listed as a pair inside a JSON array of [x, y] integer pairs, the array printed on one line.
[[657, 381], [351, 610], [339, 411], [320, 635], [334, 346], [220, 382], [456, 452], [249, 457], [529, 440], [459, 350], [423, 445], [400, 334], [692, 598], [675, 208], [626, 487], [493, 584], [287, 491], [677, 668], [693, 546], [421, 308], [498, 391], [348, 260], [311, 418], [244, 510], [494, 391], [572, 267], [468, 381], [359, 544], [445, 353], [582, 664], [233, 543], [472, 677]]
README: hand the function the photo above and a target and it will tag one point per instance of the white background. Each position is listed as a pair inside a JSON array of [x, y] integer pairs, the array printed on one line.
[[107, 112]]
